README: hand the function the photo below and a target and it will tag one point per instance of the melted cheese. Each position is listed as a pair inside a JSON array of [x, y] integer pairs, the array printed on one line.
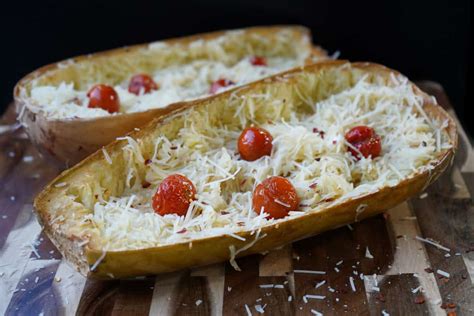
[[318, 165]]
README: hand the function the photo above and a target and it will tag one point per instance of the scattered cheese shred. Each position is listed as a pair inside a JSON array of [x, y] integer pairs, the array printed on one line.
[[205, 153]]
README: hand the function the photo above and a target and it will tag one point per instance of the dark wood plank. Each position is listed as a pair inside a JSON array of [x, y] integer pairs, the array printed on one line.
[[192, 296], [243, 287], [373, 234], [34, 293], [134, 297], [448, 221], [396, 296], [98, 298]]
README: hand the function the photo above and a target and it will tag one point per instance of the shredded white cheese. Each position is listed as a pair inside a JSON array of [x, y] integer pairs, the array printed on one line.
[[176, 83], [321, 169]]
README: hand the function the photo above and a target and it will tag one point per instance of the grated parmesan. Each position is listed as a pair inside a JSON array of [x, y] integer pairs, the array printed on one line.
[[205, 153]]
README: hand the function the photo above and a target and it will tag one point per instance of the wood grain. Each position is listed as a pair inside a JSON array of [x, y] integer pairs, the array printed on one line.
[[395, 295], [31, 285], [247, 287]]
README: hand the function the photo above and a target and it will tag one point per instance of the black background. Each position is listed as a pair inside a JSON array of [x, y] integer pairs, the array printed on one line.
[[422, 39]]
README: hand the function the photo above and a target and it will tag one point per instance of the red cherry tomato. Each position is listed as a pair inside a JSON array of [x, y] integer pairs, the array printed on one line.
[[219, 84], [104, 97], [141, 82], [277, 197], [174, 195], [254, 143], [258, 61], [365, 140]]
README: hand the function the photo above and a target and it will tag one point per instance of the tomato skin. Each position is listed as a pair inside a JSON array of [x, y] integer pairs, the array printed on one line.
[[142, 82], [104, 97], [174, 195], [258, 61], [219, 84], [365, 140], [271, 189], [254, 142]]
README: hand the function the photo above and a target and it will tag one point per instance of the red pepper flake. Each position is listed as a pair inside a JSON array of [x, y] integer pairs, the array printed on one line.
[[451, 305], [224, 212], [243, 182], [420, 299], [146, 184], [429, 270], [313, 186], [318, 131], [240, 223], [148, 161], [334, 142], [380, 298], [182, 231], [317, 159]]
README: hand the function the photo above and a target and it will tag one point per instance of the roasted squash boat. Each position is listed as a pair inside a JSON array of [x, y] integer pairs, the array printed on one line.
[[72, 108], [347, 141]]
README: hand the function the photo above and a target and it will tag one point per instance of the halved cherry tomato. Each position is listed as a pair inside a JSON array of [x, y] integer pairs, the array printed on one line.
[[365, 140], [104, 97], [174, 195], [254, 143], [277, 197], [142, 82], [219, 84], [258, 61]]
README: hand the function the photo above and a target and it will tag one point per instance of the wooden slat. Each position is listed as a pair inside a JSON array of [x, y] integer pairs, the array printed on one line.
[[395, 296], [324, 253], [215, 281], [98, 297], [133, 297], [243, 287], [192, 297], [410, 255], [277, 262], [450, 222]]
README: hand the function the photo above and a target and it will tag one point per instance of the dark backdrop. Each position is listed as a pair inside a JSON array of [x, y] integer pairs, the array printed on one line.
[[422, 39]]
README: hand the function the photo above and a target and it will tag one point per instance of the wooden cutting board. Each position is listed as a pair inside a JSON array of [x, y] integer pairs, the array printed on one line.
[[382, 264]]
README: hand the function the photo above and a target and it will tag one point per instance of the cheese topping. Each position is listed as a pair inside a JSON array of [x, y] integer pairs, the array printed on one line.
[[317, 164], [177, 83]]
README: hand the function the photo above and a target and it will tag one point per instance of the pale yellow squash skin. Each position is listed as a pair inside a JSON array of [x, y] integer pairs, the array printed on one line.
[[318, 81], [67, 141]]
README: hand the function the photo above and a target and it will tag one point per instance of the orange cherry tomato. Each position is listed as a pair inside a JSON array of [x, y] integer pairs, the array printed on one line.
[[277, 197], [258, 61], [174, 195], [219, 84], [365, 140], [254, 143], [104, 97], [142, 82]]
